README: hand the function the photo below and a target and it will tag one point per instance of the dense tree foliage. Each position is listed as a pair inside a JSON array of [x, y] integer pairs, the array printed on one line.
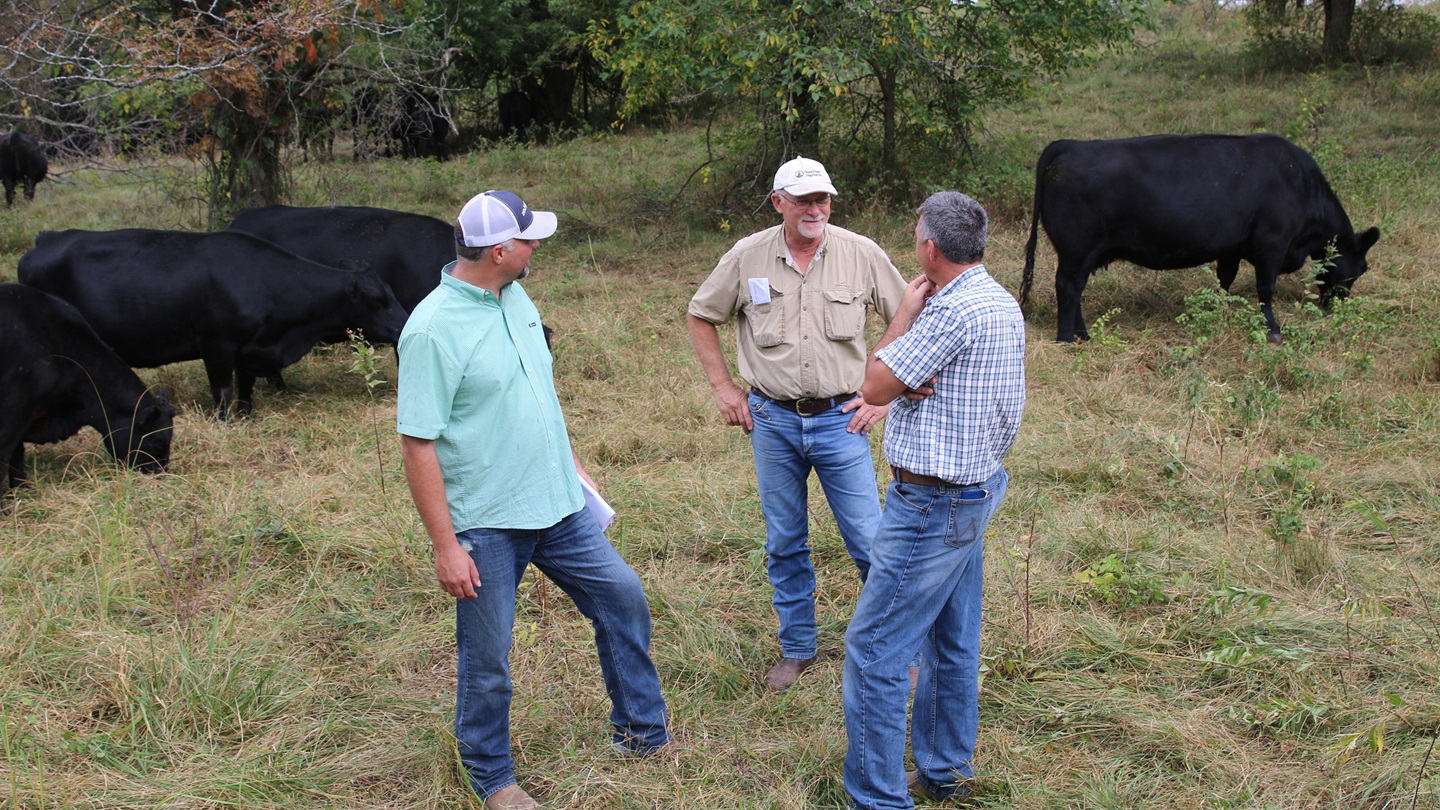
[[229, 76], [535, 48], [879, 74]]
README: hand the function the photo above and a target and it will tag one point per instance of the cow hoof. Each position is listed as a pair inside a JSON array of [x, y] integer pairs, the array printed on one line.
[[1275, 337]]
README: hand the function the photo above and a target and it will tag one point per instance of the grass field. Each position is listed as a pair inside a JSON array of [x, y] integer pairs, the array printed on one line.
[[1215, 582]]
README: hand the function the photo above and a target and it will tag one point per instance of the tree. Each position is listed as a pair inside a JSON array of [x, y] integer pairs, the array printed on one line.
[[242, 65], [890, 73], [1339, 20], [535, 47]]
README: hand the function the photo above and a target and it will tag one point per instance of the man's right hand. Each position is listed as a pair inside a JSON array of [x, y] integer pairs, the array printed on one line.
[[456, 572], [735, 406]]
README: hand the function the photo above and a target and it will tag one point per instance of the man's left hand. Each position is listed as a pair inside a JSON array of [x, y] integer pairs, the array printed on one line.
[[864, 416]]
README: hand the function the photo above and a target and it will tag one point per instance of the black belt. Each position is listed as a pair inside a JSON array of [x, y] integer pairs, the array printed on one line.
[[806, 407], [907, 477]]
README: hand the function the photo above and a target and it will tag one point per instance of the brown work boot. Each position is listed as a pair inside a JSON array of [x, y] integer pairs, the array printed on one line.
[[510, 797], [784, 673], [918, 789]]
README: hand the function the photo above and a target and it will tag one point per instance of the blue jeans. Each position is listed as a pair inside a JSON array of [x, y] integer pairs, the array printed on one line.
[[787, 446], [576, 556], [924, 588]]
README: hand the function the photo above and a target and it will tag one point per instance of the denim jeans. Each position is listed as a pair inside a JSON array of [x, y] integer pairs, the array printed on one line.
[[924, 588], [787, 446], [576, 556]]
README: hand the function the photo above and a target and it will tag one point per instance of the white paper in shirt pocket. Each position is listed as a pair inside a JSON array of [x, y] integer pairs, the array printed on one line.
[[759, 290], [599, 509]]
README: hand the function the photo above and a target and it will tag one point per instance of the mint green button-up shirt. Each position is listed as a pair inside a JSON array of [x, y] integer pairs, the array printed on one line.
[[476, 377]]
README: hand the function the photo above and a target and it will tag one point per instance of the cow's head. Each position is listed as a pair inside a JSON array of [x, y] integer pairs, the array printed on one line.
[[371, 305], [1349, 264], [143, 443]]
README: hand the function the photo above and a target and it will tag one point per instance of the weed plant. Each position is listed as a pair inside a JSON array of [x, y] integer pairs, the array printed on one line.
[[1213, 583]]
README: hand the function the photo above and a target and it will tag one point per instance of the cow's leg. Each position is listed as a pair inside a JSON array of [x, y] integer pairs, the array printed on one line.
[[29, 189], [221, 373], [1225, 271], [1265, 277], [244, 391], [1070, 280], [14, 467], [9, 193]]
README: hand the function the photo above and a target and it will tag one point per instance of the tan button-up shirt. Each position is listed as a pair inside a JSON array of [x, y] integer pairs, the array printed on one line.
[[808, 340]]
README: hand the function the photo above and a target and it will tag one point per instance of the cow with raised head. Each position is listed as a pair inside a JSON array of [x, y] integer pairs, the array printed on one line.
[[57, 376], [1172, 201], [244, 306], [406, 250], [23, 163]]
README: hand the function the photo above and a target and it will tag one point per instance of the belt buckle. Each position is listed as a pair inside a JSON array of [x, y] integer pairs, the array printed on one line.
[[810, 407]]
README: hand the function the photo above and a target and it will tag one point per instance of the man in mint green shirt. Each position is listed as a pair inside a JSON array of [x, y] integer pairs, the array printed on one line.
[[496, 483]]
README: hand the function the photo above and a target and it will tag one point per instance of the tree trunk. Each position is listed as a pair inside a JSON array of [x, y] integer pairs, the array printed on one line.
[[803, 128], [245, 168], [1339, 18], [889, 162]]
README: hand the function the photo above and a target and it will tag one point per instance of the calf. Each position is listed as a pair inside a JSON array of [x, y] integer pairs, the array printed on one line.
[[57, 376], [244, 306], [1172, 201]]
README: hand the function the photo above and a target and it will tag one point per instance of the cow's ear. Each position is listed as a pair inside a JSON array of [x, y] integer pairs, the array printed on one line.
[[162, 392], [1368, 239]]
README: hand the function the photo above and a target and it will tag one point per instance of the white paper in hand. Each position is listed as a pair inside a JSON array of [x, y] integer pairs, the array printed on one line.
[[599, 509]]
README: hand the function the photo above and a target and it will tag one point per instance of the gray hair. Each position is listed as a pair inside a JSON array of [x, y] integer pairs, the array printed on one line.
[[475, 254], [956, 224]]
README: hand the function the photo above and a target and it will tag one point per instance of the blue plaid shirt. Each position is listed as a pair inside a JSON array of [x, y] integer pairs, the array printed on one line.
[[971, 336]]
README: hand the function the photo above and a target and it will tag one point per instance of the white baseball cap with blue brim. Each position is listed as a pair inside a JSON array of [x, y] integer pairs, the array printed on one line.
[[495, 216]]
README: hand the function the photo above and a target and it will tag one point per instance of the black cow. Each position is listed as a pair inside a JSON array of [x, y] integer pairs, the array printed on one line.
[[57, 376], [517, 114], [421, 127], [1172, 201], [246, 307], [22, 161], [406, 250]]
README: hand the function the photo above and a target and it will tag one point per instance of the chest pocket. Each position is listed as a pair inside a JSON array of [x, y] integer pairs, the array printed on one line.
[[767, 321], [844, 314]]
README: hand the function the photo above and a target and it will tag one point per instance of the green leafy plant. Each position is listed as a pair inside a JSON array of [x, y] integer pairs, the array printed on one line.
[[1116, 582]]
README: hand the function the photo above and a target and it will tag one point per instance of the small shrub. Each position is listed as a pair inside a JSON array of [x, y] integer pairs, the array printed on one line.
[[1116, 582]]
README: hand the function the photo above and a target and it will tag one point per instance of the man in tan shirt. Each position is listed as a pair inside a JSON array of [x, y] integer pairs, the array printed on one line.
[[799, 293]]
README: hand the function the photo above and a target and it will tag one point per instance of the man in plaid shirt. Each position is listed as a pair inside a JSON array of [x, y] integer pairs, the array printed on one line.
[[959, 332]]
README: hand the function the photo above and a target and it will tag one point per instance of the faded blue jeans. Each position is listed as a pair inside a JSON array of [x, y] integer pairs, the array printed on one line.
[[576, 556], [924, 588], [787, 446]]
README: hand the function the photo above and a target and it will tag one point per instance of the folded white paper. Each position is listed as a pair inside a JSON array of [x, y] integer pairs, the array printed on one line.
[[599, 509], [759, 291]]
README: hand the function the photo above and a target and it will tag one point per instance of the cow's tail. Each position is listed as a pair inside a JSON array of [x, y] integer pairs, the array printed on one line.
[[1028, 278]]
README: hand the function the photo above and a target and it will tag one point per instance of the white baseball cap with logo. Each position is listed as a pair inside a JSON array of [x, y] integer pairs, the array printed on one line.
[[495, 216], [802, 176]]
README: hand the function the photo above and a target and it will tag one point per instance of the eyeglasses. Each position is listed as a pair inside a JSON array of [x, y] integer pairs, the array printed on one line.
[[809, 202]]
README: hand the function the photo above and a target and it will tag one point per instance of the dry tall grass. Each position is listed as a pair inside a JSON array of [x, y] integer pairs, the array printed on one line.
[[1214, 583]]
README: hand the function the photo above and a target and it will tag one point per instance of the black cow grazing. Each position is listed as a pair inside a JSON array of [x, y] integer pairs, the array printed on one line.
[[244, 306], [22, 161], [57, 376], [406, 250], [1172, 201]]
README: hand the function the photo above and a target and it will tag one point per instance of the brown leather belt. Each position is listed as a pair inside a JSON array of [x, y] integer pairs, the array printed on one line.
[[907, 477], [806, 407]]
